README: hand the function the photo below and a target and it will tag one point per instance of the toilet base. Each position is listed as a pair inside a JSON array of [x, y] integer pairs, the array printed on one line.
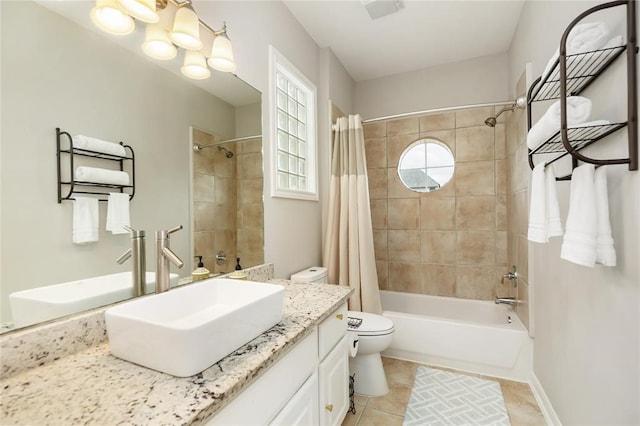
[[369, 375]]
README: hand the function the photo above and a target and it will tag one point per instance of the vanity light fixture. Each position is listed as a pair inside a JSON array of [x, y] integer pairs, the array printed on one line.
[[170, 23], [111, 18]]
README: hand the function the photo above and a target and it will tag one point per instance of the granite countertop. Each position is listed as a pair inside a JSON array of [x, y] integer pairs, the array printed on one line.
[[93, 387]]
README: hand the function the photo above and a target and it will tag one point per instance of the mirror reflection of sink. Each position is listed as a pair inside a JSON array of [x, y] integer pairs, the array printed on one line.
[[186, 330], [54, 301]]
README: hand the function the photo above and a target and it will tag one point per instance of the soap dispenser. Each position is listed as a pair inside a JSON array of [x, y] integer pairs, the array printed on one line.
[[200, 273]]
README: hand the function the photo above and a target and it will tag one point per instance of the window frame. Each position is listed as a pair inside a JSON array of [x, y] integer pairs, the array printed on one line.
[[279, 64]]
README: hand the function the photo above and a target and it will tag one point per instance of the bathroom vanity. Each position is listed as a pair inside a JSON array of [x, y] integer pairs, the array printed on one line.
[[63, 373]]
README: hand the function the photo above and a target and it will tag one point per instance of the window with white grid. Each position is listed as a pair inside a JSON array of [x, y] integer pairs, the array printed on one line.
[[294, 149]]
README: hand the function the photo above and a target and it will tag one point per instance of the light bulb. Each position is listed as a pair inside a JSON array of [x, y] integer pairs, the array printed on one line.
[[186, 29], [157, 44], [195, 65], [110, 18], [144, 10], [222, 54]]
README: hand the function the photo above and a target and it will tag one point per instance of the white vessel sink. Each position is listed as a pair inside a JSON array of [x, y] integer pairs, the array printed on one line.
[[184, 331], [54, 301]]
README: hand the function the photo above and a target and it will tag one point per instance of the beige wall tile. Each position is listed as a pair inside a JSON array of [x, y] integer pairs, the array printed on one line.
[[251, 215], [475, 143], [500, 137], [396, 188], [438, 213], [501, 249], [447, 137], [376, 152], [396, 146], [439, 247], [442, 121], [476, 282], [501, 213], [501, 176], [203, 188], [375, 130], [225, 167], [249, 165], [403, 126], [476, 248], [404, 246], [203, 162], [204, 215], [382, 269], [473, 116], [250, 190], [225, 191], [475, 178], [379, 214], [251, 145], [439, 280], [405, 277], [380, 244], [475, 212], [377, 183], [204, 245], [404, 213]]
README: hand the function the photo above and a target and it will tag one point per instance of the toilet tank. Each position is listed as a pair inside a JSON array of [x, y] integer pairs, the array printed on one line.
[[315, 274]]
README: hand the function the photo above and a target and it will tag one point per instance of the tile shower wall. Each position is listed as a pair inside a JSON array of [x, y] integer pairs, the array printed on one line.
[[250, 212], [214, 202], [451, 242]]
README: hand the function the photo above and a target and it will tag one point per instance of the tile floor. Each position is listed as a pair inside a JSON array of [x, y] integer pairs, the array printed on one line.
[[389, 410]]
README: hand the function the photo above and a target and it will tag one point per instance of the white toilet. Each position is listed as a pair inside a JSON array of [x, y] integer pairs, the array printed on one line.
[[374, 334]]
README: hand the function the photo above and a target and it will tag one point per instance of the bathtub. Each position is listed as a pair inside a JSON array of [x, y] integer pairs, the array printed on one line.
[[470, 335]]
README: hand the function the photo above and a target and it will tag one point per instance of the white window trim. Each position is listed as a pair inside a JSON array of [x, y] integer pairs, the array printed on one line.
[[277, 62]]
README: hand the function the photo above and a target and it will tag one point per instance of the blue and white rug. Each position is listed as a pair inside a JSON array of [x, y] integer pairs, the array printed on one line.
[[443, 398]]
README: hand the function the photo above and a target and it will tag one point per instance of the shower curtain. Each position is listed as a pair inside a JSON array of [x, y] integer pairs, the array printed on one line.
[[348, 253]]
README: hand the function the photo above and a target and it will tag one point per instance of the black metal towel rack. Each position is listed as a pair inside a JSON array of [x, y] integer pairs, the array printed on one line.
[[570, 76], [74, 186]]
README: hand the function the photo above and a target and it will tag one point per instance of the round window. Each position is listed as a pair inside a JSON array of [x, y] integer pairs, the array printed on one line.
[[426, 165]]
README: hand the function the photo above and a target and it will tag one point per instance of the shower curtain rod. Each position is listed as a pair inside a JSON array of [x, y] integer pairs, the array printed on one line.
[[445, 109], [246, 138]]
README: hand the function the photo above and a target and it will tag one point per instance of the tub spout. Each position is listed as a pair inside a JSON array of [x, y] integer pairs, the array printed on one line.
[[511, 301]]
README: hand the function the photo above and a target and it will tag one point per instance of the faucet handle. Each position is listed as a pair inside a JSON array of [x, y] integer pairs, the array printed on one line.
[[123, 258], [134, 233], [176, 229]]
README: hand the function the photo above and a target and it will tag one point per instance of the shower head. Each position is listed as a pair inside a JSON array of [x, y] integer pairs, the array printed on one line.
[[519, 103], [491, 121], [227, 153]]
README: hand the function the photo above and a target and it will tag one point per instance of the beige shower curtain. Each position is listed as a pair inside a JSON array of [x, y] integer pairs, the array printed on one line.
[[348, 252]]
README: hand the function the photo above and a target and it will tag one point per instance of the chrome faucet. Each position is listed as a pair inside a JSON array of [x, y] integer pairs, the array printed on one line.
[[163, 256], [139, 271], [511, 301], [511, 276]]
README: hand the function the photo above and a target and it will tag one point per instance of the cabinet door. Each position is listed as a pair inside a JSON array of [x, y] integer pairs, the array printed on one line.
[[302, 409], [334, 385]]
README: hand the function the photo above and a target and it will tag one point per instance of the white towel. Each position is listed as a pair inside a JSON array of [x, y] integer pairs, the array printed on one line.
[[544, 212], [85, 220], [93, 144], [605, 251], [118, 212], [579, 244], [578, 111], [583, 38], [97, 175]]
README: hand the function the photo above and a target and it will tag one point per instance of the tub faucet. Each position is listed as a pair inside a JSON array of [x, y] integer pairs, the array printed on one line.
[[137, 251], [511, 301], [163, 256]]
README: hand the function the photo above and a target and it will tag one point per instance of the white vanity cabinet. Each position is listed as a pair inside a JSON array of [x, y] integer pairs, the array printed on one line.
[[307, 386]]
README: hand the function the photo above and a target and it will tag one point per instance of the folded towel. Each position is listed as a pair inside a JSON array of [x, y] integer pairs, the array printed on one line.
[[544, 212], [583, 38], [605, 251], [93, 144], [118, 212], [96, 175], [85, 220], [579, 244], [578, 111]]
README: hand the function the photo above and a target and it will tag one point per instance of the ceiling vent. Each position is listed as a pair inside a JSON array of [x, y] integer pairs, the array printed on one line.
[[379, 8]]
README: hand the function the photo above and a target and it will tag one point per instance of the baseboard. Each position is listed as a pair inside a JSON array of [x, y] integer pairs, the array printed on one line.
[[548, 412]]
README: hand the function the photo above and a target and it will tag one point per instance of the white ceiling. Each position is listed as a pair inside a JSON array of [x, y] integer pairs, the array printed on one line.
[[424, 33]]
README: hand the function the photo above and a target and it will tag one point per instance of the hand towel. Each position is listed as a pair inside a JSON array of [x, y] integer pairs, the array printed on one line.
[[605, 251], [537, 206], [85, 220], [93, 144], [96, 175], [552, 220], [579, 244], [578, 111], [583, 38], [118, 212]]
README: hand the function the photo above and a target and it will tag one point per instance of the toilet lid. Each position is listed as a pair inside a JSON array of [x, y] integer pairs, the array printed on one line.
[[372, 324]]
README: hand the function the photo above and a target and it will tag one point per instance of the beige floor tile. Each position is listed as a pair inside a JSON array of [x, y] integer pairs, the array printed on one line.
[[399, 372], [394, 402], [352, 419], [371, 417], [360, 399]]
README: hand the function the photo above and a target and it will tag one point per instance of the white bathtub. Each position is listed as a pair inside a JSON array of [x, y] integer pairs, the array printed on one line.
[[470, 335]]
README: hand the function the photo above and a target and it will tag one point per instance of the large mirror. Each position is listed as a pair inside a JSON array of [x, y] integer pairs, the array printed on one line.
[[426, 165], [57, 71]]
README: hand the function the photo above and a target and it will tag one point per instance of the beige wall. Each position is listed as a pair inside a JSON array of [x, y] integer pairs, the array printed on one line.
[[450, 242], [250, 210]]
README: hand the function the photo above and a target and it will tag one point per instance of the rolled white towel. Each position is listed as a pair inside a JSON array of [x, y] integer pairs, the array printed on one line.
[[579, 243], [605, 251], [93, 144], [578, 111], [97, 175], [582, 38]]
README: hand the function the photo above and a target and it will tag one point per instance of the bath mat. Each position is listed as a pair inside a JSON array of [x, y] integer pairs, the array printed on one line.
[[444, 398]]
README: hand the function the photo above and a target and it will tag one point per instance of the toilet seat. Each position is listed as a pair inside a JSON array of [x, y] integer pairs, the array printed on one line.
[[372, 324]]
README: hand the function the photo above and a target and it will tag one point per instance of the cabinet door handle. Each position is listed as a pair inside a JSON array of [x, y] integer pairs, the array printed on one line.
[[339, 316], [329, 407]]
